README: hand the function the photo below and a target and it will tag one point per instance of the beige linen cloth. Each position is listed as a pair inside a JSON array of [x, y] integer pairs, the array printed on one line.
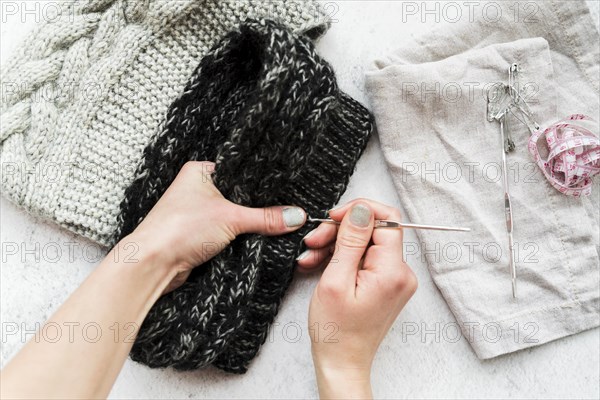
[[429, 102]]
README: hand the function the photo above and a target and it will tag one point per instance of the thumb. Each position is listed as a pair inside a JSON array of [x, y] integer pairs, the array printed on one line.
[[270, 221], [352, 240]]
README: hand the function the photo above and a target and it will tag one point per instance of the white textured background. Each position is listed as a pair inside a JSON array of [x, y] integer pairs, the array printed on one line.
[[419, 366]]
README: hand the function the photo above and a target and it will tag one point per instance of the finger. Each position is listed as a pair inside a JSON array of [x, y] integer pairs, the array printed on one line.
[[386, 254], [395, 279], [338, 211], [313, 258], [352, 240], [270, 221], [383, 259], [321, 236], [382, 236], [317, 268], [380, 210]]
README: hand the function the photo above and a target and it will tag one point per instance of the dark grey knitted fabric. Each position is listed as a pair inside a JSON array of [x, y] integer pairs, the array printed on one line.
[[267, 110]]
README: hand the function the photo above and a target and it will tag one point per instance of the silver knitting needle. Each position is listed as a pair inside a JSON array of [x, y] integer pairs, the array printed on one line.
[[383, 223]]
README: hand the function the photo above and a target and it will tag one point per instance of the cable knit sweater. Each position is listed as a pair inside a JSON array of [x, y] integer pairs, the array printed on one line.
[[90, 88]]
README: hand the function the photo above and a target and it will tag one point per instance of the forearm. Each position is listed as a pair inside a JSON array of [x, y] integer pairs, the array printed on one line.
[[96, 326]]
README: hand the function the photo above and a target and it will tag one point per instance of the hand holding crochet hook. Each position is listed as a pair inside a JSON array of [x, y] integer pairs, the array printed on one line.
[[364, 286]]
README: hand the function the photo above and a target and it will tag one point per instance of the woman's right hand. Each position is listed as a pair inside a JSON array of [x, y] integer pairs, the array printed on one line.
[[364, 286]]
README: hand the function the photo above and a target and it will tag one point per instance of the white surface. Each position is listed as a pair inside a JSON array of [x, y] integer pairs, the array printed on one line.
[[416, 366]]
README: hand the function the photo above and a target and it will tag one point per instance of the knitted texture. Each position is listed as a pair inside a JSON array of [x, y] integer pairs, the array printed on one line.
[[267, 110], [90, 88]]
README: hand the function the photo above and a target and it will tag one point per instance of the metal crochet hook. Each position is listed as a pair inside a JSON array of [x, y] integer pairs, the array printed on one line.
[[383, 223], [508, 215], [507, 205], [500, 102]]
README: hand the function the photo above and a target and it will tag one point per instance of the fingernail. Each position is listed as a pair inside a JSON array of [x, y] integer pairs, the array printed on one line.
[[335, 208], [293, 216], [309, 234], [302, 256], [360, 215]]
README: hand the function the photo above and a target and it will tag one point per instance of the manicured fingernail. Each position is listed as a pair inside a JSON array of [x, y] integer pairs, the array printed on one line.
[[309, 234], [335, 208], [360, 215], [293, 216], [302, 256]]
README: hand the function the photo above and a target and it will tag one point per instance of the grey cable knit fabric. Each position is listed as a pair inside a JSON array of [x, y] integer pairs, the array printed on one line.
[[91, 87], [267, 109]]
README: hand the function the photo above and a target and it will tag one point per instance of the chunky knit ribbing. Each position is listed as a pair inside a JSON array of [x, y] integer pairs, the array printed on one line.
[[91, 87], [266, 108]]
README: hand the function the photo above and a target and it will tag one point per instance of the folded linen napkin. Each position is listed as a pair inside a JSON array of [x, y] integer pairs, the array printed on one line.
[[429, 102]]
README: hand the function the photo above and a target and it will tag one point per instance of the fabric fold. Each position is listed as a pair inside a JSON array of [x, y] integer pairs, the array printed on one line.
[[429, 100]]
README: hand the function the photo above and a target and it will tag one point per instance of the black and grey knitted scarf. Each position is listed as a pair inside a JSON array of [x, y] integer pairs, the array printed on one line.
[[267, 110]]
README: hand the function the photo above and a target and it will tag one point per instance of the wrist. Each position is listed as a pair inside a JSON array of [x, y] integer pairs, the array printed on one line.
[[145, 259], [344, 382], [142, 249]]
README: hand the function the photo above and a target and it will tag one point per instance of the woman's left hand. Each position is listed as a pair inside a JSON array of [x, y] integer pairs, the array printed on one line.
[[192, 222]]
